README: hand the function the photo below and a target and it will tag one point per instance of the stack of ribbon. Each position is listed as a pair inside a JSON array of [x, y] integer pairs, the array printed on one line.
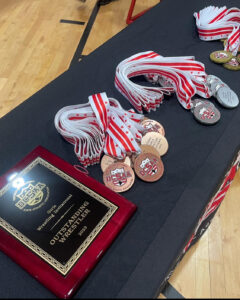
[[214, 23], [183, 75], [100, 125]]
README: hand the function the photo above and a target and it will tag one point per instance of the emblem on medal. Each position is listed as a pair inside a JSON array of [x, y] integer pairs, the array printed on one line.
[[221, 57], [119, 177], [148, 167], [206, 113], [232, 64]]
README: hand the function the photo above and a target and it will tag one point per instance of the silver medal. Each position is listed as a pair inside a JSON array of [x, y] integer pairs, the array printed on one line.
[[226, 97], [211, 78], [198, 101], [214, 83], [207, 114]]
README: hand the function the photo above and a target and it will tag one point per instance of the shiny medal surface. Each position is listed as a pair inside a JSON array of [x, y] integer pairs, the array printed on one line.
[[226, 97], [207, 114], [106, 161], [211, 78], [233, 64], [221, 57], [215, 86], [148, 167], [152, 125], [156, 140], [119, 177]]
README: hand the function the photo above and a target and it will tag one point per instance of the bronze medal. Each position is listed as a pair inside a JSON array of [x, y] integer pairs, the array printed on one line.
[[119, 177], [108, 160], [148, 167], [149, 149], [153, 126], [156, 140]]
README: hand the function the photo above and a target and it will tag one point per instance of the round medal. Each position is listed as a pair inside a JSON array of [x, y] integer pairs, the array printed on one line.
[[233, 64], [156, 140], [220, 57], [238, 58], [119, 177], [227, 98], [207, 114], [153, 126], [148, 167], [108, 160]]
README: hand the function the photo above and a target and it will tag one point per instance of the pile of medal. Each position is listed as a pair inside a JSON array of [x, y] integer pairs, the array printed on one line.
[[226, 58], [222, 92], [119, 175], [205, 111]]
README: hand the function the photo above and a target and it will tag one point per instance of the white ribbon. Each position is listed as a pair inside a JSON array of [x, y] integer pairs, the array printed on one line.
[[182, 75]]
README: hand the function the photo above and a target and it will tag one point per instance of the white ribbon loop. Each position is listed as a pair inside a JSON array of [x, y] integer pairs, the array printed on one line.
[[182, 75]]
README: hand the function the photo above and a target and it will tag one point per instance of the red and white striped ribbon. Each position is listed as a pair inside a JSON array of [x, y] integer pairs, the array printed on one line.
[[184, 75], [233, 41], [216, 23], [100, 125]]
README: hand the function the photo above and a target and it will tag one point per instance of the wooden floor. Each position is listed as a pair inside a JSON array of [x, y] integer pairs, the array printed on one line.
[[36, 48]]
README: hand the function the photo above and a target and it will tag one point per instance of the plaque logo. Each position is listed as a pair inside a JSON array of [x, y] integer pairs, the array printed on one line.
[[31, 196]]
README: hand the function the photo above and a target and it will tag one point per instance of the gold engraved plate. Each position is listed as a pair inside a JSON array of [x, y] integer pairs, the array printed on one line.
[[156, 140]]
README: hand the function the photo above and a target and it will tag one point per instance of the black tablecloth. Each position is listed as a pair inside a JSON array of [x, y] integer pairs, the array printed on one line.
[[198, 156]]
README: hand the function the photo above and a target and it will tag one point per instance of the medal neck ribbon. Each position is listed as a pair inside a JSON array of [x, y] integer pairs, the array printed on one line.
[[182, 75], [214, 23], [101, 125]]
